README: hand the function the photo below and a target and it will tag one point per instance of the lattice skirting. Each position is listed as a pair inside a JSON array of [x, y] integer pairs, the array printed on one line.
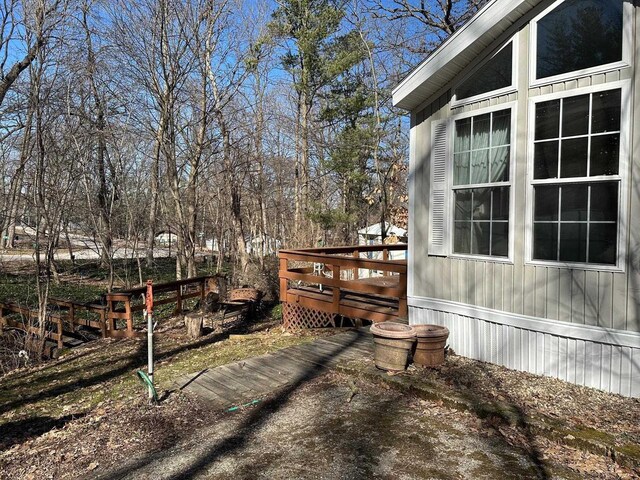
[[295, 316]]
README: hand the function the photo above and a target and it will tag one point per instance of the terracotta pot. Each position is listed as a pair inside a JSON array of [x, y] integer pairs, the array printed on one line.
[[430, 346], [392, 344]]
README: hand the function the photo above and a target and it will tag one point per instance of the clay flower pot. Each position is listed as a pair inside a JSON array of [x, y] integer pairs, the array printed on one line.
[[392, 344], [430, 347]]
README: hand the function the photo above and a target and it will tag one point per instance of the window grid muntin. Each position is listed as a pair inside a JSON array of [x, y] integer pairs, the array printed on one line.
[[492, 186], [587, 222], [589, 136], [587, 180]]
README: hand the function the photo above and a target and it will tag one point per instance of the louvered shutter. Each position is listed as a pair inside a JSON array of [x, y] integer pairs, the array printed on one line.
[[438, 201]]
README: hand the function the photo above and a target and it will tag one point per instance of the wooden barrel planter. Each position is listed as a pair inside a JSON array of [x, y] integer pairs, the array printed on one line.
[[429, 350], [392, 344], [244, 295]]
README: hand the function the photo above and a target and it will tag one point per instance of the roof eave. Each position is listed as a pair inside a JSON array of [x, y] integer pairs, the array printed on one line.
[[458, 51]]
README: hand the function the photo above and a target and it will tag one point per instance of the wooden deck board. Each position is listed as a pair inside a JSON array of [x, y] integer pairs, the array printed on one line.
[[276, 375], [235, 382], [245, 380]]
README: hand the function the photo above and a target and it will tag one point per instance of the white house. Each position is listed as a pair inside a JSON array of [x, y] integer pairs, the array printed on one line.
[[525, 189], [372, 234]]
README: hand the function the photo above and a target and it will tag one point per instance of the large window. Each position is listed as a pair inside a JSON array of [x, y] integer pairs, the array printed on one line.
[[481, 190], [576, 179], [577, 35]]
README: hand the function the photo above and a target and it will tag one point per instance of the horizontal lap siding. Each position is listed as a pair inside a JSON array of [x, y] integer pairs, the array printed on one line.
[[607, 367]]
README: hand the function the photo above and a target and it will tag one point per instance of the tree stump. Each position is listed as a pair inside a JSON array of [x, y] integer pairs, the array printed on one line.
[[193, 322], [212, 302]]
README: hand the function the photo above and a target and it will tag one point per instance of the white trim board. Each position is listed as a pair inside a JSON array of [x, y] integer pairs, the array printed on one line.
[[496, 13], [590, 333]]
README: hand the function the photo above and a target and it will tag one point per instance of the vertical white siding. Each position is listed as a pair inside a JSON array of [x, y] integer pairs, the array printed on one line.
[[598, 365]]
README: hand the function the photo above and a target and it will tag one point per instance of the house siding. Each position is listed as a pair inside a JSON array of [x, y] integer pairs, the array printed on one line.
[[606, 299]]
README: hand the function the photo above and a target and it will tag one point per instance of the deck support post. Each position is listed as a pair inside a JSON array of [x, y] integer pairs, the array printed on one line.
[[283, 280]]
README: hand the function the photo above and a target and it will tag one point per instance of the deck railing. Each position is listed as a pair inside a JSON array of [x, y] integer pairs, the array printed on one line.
[[124, 304], [342, 271], [62, 316]]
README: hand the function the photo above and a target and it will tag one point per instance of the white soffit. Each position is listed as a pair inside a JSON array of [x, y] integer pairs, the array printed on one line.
[[458, 51]]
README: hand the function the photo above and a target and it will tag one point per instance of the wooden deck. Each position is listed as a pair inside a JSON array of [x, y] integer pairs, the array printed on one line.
[[242, 382], [319, 285]]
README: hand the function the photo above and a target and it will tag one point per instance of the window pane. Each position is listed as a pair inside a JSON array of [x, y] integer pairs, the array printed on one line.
[[463, 205], [545, 241], [546, 203], [501, 130], [545, 159], [481, 126], [605, 153], [604, 202], [480, 238], [462, 237], [461, 168], [500, 239], [579, 34], [547, 120], [573, 242], [499, 164], [480, 166], [462, 140], [574, 203], [482, 204], [573, 157], [494, 74], [602, 243], [500, 210], [606, 112], [575, 116]]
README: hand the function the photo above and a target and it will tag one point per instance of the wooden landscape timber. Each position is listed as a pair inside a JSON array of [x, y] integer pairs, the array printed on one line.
[[334, 285]]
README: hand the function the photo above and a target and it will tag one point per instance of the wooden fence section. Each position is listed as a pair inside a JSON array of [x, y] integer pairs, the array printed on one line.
[[122, 305], [56, 324], [66, 315], [317, 285]]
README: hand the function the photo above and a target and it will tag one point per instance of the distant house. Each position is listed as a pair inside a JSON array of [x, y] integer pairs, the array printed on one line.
[[525, 189], [266, 245], [372, 234], [166, 238]]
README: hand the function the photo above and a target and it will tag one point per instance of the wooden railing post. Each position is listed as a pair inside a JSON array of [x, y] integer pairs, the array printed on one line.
[[283, 280], [129, 315], [336, 289], [385, 257], [356, 255]]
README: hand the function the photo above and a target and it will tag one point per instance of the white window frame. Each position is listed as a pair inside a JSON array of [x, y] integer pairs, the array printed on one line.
[[510, 183], [455, 102], [622, 177], [627, 49]]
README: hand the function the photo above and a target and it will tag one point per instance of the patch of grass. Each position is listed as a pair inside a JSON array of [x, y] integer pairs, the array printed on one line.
[[106, 370]]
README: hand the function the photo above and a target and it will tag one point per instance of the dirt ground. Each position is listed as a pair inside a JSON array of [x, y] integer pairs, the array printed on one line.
[[333, 427], [85, 416]]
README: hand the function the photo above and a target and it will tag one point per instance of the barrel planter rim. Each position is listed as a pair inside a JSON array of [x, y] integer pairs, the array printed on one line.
[[430, 331], [393, 330]]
